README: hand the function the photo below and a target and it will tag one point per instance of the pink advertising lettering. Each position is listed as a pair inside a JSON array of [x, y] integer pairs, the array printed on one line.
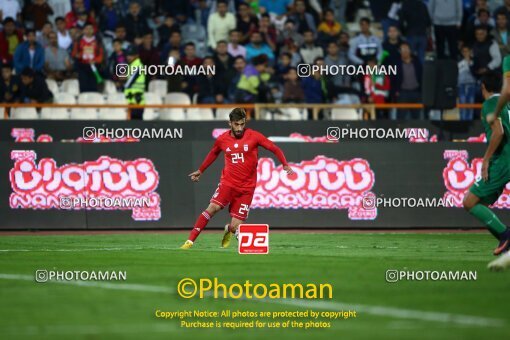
[[41, 185]]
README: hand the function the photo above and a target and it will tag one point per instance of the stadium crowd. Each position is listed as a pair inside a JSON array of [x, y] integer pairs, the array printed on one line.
[[255, 46]]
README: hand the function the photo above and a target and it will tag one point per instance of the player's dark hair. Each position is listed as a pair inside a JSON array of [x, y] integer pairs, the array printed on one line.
[[492, 82], [237, 114]]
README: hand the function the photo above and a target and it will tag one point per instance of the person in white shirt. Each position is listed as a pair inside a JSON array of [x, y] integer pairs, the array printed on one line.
[[220, 23], [234, 49], [309, 51], [63, 36], [9, 8]]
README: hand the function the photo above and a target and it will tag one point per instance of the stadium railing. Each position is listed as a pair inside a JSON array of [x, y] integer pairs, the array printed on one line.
[[255, 110]]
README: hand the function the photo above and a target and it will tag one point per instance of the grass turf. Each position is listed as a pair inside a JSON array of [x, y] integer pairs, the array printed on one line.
[[355, 264]]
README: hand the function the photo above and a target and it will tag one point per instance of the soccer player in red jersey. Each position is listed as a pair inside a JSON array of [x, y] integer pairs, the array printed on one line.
[[239, 175]]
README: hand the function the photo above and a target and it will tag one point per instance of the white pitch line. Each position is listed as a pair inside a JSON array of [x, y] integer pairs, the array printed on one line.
[[84, 249], [104, 285], [394, 312]]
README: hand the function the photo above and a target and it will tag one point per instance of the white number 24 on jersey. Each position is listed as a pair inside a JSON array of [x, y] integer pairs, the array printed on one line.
[[236, 157]]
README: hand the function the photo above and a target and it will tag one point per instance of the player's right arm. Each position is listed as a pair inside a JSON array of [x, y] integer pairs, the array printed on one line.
[[209, 159], [504, 96], [496, 138]]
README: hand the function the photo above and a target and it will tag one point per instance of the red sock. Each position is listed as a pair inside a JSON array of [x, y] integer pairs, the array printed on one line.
[[200, 224]]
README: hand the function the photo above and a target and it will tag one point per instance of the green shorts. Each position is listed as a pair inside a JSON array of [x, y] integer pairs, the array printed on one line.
[[490, 190]]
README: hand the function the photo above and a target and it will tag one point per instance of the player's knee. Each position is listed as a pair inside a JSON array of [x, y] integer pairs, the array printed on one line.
[[468, 202], [213, 209]]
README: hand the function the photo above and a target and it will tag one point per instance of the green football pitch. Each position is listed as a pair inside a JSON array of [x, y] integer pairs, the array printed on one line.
[[353, 263]]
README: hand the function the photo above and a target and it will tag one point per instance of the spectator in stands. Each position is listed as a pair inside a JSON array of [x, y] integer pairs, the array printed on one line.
[[190, 59], [10, 85], [72, 18], [63, 35], [118, 56], [292, 49], [37, 12], [190, 55], [304, 20], [135, 22], [10, 38], [34, 88], [446, 17], [267, 30], [43, 37], [340, 83], [175, 82], [211, 88], [380, 11], [292, 89], [246, 22], [314, 88], [486, 55], [219, 24], [29, 54], [174, 43], [329, 29], [365, 45], [343, 43], [224, 61], [120, 34], [467, 82], [239, 66], [290, 32], [500, 34], [109, 17], [166, 29], [257, 47], [392, 45], [483, 18], [58, 64], [339, 7], [88, 54], [409, 77], [234, 48], [283, 66], [376, 88], [181, 9], [149, 54], [310, 51], [275, 7], [202, 10], [250, 87], [415, 22], [505, 8], [10, 9]]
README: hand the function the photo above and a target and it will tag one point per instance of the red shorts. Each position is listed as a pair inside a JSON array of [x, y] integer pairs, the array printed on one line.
[[239, 200]]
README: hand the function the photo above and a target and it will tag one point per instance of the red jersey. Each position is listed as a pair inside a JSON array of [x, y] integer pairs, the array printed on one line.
[[241, 157]]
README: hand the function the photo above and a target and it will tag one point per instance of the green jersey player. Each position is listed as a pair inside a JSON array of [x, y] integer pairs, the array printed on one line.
[[495, 167]]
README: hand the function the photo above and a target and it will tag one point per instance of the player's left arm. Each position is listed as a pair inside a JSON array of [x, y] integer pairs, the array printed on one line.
[[268, 145], [496, 138]]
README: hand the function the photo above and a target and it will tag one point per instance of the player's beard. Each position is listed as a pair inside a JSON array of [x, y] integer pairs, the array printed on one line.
[[238, 134]]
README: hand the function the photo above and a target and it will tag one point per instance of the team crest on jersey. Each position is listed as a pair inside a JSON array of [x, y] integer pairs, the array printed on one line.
[[245, 147], [236, 145]]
